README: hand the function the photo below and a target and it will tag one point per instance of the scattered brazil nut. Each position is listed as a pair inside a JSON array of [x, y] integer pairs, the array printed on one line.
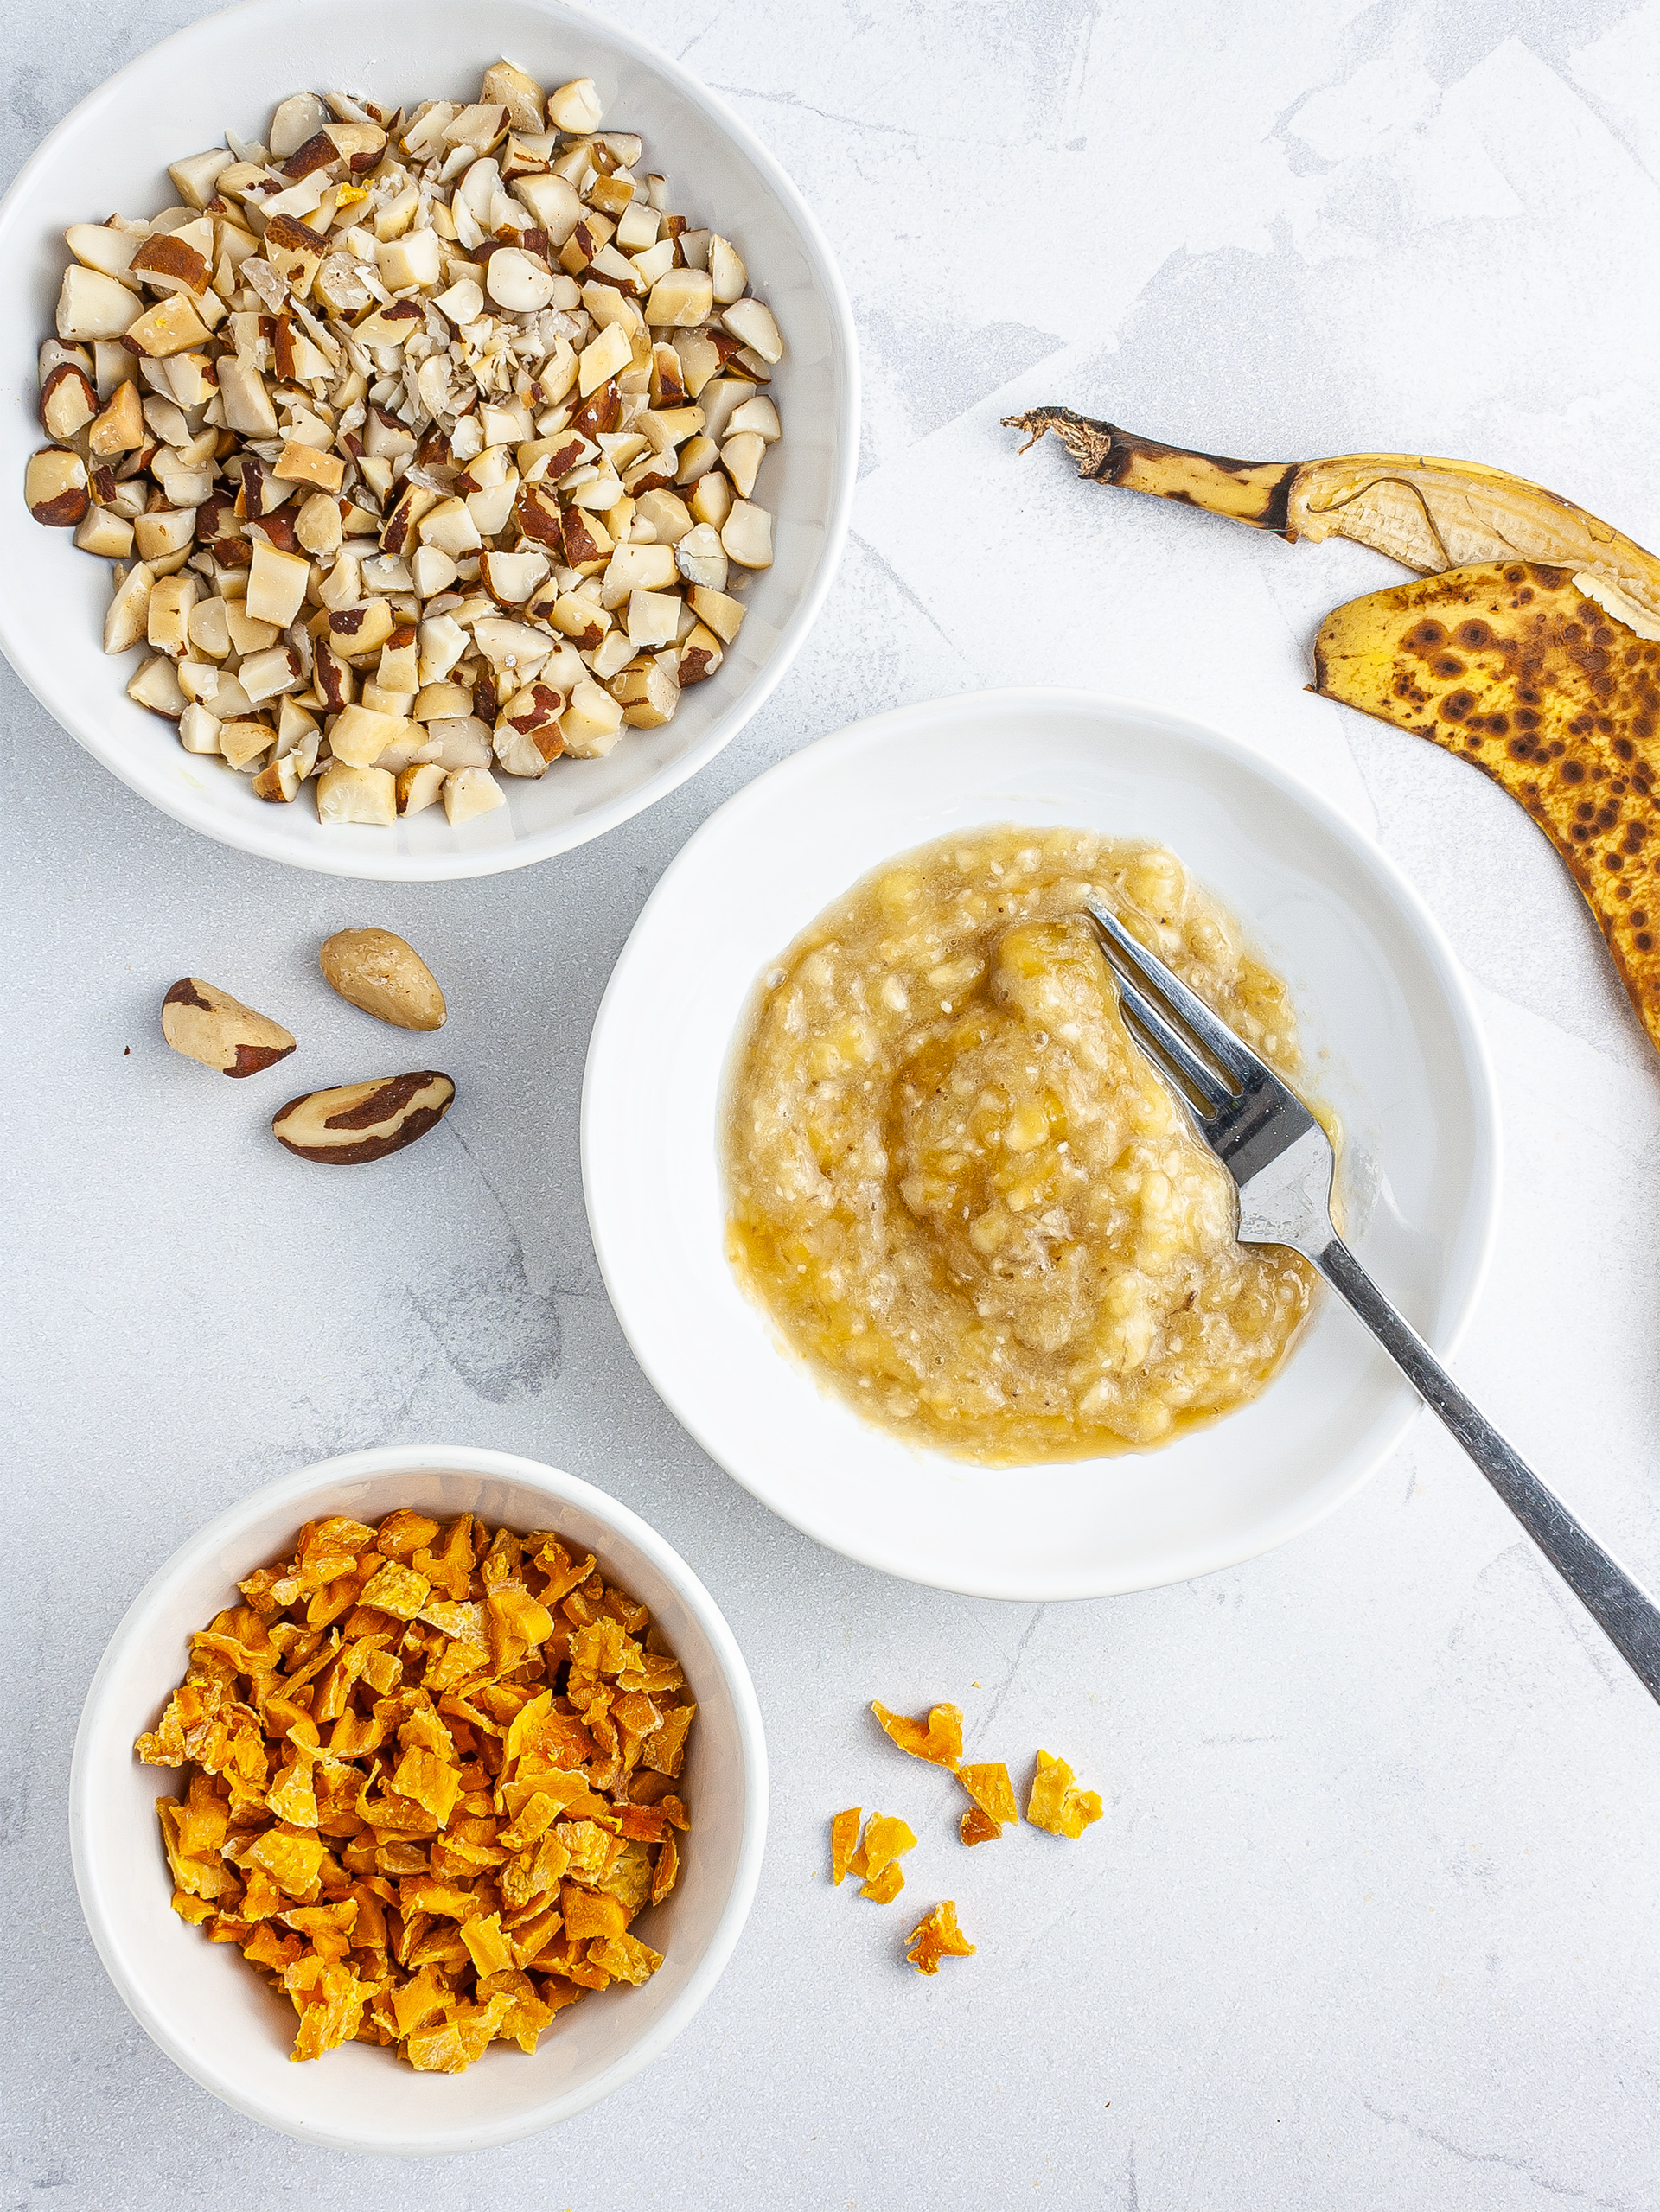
[[384, 976], [207, 1024], [357, 1122]]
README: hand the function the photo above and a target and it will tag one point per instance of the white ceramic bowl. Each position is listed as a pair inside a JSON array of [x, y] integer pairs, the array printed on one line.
[[1394, 1047], [111, 153], [213, 2016]]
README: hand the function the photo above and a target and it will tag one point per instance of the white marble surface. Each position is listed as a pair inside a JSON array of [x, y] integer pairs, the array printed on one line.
[[1371, 1919]]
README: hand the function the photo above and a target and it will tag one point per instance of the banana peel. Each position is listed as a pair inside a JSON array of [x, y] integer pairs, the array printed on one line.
[[1530, 647], [1427, 514], [1515, 669]]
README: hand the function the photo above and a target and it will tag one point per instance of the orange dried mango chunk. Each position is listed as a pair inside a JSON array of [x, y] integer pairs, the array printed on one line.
[[882, 1889], [293, 1860], [625, 1958], [495, 1803], [329, 1999], [1055, 1803], [977, 1828], [403, 1532], [666, 1872], [590, 1914], [938, 1739], [425, 1994], [486, 1946], [451, 2046], [887, 1838], [844, 1837], [428, 1781], [395, 1590], [937, 1937], [992, 1790]]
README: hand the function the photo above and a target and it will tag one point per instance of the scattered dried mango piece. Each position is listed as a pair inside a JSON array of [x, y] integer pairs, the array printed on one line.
[[1056, 1804], [887, 1838], [992, 1790], [882, 1889], [938, 1739], [843, 1838], [976, 1827], [429, 1782], [937, 1937]]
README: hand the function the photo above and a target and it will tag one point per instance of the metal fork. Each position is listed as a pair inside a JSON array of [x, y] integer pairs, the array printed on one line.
[[1282, 1161]]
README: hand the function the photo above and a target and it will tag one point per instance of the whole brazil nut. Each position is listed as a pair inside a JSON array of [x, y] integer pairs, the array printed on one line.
[[386, 978], [207, 1024], [359, 1122]]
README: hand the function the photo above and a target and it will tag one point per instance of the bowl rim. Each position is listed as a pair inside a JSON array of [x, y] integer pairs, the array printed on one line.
[[225, 1529], [890, 727], [231, 830]]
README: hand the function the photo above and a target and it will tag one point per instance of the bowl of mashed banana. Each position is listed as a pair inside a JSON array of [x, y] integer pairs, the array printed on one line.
[[908, 1231]]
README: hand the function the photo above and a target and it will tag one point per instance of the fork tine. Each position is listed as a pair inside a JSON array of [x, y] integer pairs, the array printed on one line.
[[1172, 1044], [1228, 1050]]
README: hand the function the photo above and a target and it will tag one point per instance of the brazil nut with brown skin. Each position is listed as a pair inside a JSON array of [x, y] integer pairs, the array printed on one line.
[[356, 1123], [207, 1024]]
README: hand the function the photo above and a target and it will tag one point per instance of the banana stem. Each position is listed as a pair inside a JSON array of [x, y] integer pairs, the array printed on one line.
[[1256, 492]]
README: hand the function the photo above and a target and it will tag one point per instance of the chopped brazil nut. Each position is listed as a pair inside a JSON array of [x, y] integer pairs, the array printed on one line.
[[207, 1024], [429, 396], [359, 1122], [374, 970]]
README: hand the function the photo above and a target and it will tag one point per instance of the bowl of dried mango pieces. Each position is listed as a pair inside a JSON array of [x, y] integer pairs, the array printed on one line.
[[436, 1770]]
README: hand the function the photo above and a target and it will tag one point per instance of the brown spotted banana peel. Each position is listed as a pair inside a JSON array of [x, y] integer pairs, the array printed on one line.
[[1428, 514]]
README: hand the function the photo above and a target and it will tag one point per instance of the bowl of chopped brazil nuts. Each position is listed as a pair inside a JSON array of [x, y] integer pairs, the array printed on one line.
[[430, 458], [436, 1770]]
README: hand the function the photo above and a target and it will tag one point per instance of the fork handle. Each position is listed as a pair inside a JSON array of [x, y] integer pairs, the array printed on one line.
[[1627, 1614]]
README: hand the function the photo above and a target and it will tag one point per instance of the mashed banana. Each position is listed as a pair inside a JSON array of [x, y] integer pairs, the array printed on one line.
[[958, 1187]]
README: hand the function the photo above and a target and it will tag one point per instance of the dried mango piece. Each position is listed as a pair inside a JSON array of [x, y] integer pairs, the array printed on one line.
[[882, 1889], [419, 1998], [590, 1912], [625, 1958], [292, 1859], [938, 1739], [665, 1748], [266, 1948], [937, 1937], [327, 1929], [994, 1795], [428, 1781], [402, 1533], [292, 1796], [1056, 1804], [426, 1893], [886, 1839], [329, 1999], [630, 1878], [413, 1872], [843, 1838], [486, 1946], [666, 1870], [528, 2013], [451, 2048], [592, 1849]]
